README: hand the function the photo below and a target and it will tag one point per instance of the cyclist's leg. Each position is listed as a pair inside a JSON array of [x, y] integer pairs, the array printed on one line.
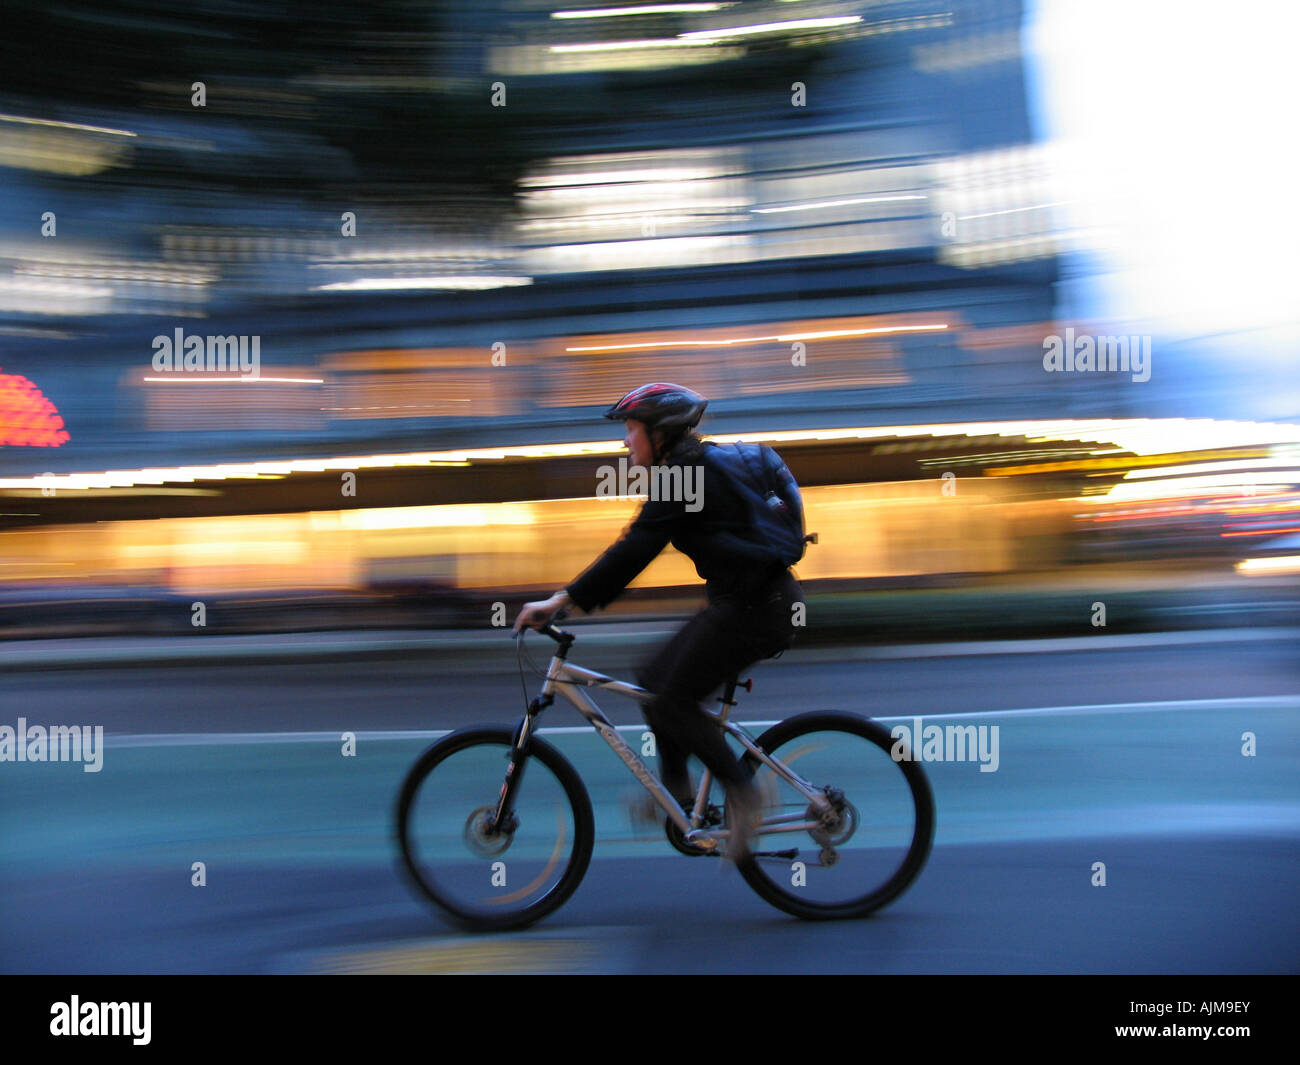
[[660, 716], [719, 642]]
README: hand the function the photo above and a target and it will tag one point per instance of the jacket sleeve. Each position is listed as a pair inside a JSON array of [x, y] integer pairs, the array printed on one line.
[[604, 580]]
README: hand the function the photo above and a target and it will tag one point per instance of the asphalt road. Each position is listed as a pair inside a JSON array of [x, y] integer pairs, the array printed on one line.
[[1129, 755]]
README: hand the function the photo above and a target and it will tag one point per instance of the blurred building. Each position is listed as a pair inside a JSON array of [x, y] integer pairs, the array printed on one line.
[[299, 246], [523, 181]]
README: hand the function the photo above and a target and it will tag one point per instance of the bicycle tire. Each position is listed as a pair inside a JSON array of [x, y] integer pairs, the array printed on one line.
[[909, 845], [435, 878]]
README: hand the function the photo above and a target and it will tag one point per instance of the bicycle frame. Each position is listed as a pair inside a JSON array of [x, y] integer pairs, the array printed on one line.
[[570, 680]]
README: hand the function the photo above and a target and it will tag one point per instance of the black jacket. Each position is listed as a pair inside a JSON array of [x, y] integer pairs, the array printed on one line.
[[694, 534]]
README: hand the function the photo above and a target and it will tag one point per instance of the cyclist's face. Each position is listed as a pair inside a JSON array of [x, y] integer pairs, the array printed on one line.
[[637, 443]]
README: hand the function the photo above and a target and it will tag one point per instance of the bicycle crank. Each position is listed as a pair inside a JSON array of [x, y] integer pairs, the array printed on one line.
[[685, 846]]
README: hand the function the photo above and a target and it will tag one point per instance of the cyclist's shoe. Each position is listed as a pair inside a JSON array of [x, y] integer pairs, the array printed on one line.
[[744, 811]]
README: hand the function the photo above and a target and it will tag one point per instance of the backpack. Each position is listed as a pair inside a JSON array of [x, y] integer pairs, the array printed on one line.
[[767, 488]]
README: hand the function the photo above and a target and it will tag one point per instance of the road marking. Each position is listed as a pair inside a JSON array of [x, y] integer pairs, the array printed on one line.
[[1257, 702], [209, 739], [1101, 641], [484, 954]]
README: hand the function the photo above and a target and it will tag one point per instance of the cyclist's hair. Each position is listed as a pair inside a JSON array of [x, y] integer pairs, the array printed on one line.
[[686, 439]]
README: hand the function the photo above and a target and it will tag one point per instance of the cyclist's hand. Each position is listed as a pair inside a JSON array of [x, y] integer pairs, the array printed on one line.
[[535, 615]]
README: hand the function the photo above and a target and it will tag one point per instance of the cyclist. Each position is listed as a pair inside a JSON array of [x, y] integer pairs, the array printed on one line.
[[749, 612]]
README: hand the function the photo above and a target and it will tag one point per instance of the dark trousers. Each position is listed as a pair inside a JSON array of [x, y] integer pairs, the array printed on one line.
[[728, 636]]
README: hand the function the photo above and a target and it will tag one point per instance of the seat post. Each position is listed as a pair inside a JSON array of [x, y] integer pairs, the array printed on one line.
[[728, 697]]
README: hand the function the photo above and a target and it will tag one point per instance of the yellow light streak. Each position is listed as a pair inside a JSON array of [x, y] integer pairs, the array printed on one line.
[[1141, 435], [1263, 566], [779, 337]]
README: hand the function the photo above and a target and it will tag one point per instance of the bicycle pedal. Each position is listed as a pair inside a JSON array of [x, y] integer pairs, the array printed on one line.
[[692, 849]]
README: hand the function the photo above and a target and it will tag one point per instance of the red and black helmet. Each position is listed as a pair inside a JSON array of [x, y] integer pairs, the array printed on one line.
[[660, 406]]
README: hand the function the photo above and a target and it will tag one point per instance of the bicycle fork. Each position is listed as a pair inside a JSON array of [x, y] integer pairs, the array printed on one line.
[[504, 820]]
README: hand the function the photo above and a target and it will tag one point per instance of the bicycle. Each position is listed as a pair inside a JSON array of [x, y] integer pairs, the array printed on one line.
[[505, 860]]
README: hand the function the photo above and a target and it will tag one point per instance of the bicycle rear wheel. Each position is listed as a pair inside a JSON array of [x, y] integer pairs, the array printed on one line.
[[867, 849], [484, 877]]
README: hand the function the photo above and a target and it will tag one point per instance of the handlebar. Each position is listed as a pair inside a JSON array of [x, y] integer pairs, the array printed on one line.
[[558, 635], [549, 629]]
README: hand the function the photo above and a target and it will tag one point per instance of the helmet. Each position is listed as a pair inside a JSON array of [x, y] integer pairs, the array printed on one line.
[[660, 406]]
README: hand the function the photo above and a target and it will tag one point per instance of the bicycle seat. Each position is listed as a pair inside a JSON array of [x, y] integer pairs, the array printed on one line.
[[728, 696]]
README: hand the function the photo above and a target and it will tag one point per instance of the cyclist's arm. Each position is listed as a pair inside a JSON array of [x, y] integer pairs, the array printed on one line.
[[604, 580]]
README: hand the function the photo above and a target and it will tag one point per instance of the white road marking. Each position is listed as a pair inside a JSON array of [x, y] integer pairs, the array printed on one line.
[[1098, 642], [209, 739]]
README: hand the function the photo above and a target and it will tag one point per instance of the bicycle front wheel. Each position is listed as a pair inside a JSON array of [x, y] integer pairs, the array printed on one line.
[[863, 846], [491, 877]]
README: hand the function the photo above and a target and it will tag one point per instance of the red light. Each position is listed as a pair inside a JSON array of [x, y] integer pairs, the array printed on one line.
[[27, 418]]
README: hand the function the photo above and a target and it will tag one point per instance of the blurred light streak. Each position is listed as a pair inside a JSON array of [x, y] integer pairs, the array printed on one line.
[[988, 207], [640, 254], [72, 154], [885, 529], [773, 27], [1187, 487], [558, 181], [1118, 462], [640, 9], [538, 59], [470, 283], [1263, 532], [615, 46], [66, 125], [692, 343], [1139, 435], [1013, 210], [30, 296], [1243, 464], [183, 380], [837, 203], [1001, 204], [1262, 566]]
